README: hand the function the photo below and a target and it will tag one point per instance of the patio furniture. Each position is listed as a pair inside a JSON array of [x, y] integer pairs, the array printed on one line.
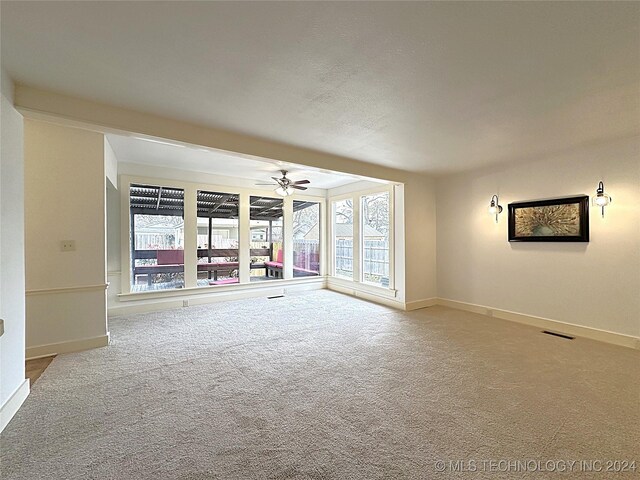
[[274, 269], [172, 261]]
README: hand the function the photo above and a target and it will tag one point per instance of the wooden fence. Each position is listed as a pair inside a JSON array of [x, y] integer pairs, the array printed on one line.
[[375, 261], [306, 254]]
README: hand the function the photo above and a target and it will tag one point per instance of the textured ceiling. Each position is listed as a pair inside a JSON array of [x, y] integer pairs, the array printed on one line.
[[423, 86], [151, 153]]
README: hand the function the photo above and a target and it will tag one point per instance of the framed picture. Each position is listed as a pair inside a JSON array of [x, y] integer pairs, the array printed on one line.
[[554, 220]]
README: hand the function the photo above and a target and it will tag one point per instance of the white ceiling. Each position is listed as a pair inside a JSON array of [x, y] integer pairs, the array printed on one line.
[[194, 159], [421, 86]]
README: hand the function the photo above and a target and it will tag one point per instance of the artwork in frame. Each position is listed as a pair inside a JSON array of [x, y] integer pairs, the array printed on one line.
[[553, 220]]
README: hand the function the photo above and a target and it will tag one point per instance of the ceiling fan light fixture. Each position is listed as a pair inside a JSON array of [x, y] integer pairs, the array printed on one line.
[[284, 191]]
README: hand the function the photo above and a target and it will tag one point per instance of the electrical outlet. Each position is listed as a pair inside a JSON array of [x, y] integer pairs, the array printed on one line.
[[67, 245], [185, 303]]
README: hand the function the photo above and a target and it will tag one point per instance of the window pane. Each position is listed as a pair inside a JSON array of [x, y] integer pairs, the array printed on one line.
[[343, 238], [306, 239], [217, 238], [266, 238], [156, 237], [375, 238]]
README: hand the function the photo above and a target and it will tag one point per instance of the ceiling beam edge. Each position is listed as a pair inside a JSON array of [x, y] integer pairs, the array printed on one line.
[[73, 111]]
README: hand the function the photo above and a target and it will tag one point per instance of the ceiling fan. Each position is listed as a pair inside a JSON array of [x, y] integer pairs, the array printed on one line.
[[285, 185]]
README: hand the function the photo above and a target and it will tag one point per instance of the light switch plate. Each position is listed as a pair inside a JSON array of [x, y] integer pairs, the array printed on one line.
[[1, 327], [67, 245]]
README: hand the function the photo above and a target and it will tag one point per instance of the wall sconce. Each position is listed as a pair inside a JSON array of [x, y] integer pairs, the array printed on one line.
[[494, 208], [601, 199]]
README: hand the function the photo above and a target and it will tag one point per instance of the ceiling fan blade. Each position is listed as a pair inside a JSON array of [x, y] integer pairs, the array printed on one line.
[[279, 180], [301, 182], [297, 187]]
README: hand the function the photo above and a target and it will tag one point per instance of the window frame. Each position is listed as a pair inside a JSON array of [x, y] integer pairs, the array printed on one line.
[[358, 256], [190, 225]]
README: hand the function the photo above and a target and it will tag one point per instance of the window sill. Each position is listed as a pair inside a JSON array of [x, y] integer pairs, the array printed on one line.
[[371, 289], [236, 287]]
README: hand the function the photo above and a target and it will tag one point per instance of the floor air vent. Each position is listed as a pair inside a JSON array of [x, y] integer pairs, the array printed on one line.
[[561, 335], [275, 296]]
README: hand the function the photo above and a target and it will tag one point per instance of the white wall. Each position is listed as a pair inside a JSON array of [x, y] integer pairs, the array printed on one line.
[[420, 239], [595, 284], [65, 200], [110, 164], [419, 190], [113, 223], [12, 308], [113, 244]]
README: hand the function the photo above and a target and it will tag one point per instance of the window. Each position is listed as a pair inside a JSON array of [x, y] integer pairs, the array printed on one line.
[[267, 249], [306, 239], [374, 219], [343, 238], [231, 237], [217, 231], [156, 237]]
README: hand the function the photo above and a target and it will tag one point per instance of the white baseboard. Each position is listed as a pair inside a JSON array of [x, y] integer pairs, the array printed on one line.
[[67, 347], [192, 298], [13, 404], [416, 304], [355, 291], [546, 323]]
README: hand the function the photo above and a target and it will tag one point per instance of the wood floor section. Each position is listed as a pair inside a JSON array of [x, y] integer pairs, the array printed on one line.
[[35, 367]]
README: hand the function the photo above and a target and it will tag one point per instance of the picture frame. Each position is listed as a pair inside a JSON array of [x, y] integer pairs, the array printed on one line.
[[564, 219]]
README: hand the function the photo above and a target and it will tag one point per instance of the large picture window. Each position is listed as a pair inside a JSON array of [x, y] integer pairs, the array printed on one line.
[[217, 230], [343, 238], [266, 242], [156, 237], [185, 235], [375, 222], [306, 239]]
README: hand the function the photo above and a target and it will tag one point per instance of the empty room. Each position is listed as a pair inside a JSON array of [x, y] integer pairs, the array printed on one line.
[[319, 240]]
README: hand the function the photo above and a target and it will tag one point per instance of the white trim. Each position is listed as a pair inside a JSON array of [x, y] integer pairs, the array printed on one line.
[[417, 304], [244, 238], [355, 290], [67, 347], [190, 247], [198, 297], [323, 224], [363, 287], [216, 289], [79, 288], [13, 403], [546, 323], [357, 239], [287, 237]]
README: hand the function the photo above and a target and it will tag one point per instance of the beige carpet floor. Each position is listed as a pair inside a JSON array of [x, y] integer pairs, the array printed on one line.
[[325, 386]]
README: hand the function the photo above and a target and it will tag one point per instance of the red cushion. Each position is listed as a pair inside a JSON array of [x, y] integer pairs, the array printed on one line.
[[273, 264], [279, 258], [170, 257]]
